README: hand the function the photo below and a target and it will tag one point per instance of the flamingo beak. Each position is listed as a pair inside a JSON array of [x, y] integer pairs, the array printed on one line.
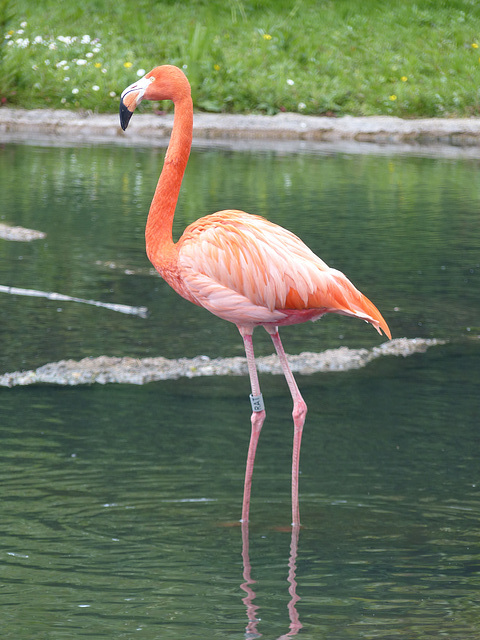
[[131, 98]]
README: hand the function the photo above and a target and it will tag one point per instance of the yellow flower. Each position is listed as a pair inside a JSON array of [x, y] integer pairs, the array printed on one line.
[[474, 45], [127, 65], [216, 67], [404, 78], [98, 65], [393, 97], [267, 36]]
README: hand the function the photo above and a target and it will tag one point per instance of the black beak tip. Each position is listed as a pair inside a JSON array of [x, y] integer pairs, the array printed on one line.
[[125, 115]]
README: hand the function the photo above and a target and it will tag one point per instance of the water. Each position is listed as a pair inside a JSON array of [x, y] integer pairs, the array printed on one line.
[[120, 504]]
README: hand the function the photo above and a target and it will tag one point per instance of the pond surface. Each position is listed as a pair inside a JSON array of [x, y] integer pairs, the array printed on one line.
[[120, 504]]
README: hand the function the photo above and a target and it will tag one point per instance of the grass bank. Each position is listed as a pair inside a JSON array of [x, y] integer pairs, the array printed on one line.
[[336, 57]]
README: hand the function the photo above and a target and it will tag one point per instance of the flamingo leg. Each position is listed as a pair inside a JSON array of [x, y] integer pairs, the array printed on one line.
[[299, 414], [257, 419]]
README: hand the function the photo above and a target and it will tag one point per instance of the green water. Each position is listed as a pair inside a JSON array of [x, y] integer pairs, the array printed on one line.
[[120, 504]]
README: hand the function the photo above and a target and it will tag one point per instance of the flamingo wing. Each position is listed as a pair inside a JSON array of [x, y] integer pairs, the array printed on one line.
[[248, 270]]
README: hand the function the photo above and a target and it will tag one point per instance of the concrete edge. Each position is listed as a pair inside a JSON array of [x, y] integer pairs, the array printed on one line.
[[83, 126]]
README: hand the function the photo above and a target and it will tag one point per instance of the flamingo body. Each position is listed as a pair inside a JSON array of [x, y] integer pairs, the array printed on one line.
[[251, 272], [239, 266]]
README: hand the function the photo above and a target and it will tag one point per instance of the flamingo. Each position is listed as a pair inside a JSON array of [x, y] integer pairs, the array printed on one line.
[[239, 266]]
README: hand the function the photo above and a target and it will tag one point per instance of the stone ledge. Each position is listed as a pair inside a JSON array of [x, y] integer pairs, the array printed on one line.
[[208, 126]]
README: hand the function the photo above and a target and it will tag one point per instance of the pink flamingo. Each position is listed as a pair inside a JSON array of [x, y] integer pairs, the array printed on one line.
[[239, 266]]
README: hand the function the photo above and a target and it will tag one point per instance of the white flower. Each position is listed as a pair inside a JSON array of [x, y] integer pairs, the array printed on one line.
[[95, 87], [290, 82], [112, 94], [75, 91], [52, 46], [47, 62], [66, 68], [23, 25], [34, 67], [104, 71], [63, 100], [67, 39], [22, 42], [89, 55], [20, 31], [140, 72], [38, 40], [85, 40], [66, 79], [96, 49], [60, 64], [301, 106]]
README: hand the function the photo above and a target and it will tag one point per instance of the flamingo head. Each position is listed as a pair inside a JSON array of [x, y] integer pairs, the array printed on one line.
[[162, 83]]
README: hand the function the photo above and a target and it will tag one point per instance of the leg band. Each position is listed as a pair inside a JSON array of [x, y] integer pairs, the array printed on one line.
[[257, 403]]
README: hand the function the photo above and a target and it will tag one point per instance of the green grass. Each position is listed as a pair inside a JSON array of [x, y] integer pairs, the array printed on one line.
[[358, 57]]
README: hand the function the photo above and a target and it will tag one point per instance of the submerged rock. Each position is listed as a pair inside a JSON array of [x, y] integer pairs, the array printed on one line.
[[20, 234], [105, 369]]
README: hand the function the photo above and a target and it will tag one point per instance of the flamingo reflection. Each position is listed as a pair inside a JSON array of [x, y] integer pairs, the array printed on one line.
[[251, 628]]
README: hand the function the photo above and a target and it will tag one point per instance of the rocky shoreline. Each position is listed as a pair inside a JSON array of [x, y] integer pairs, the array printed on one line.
[[68, 126]]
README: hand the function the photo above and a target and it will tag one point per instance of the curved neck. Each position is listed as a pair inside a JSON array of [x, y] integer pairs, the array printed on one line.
[[158, 232]]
